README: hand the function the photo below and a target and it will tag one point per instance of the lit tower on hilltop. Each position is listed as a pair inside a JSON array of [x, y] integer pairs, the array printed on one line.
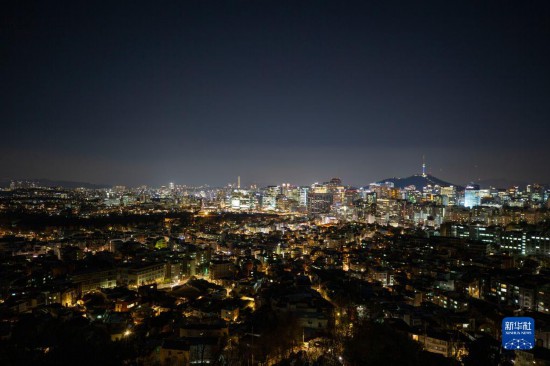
[[423, 166]]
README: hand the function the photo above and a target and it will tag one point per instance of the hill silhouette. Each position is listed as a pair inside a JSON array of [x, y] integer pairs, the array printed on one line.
[[419, 181]]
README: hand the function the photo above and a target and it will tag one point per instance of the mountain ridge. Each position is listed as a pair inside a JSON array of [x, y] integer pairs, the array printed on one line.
[[419, 181], [43, 182]]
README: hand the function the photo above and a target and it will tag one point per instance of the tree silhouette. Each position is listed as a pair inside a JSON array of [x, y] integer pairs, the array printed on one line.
[[374, 344]]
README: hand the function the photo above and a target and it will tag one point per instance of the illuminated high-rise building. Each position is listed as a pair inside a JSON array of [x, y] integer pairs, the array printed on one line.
[[319, 199], [269, 198], [471, 196], [303, 196], [448, 195]]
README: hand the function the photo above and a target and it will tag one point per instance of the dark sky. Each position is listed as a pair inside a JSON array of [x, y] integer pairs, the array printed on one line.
[[148, 92]]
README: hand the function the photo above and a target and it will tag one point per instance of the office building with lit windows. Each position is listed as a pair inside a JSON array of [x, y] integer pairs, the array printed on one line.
[[471, 196]]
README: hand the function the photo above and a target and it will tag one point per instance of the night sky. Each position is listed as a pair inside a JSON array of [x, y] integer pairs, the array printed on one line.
[[149, 92]]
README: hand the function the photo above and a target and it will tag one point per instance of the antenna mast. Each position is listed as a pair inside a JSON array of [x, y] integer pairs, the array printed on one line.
[[423, 166]]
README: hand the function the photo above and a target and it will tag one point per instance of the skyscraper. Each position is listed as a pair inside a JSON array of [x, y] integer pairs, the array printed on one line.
[[471, 196]]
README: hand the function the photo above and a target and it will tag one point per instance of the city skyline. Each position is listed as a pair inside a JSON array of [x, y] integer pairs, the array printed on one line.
[[501, 182], [245, 182], [200, 91]]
